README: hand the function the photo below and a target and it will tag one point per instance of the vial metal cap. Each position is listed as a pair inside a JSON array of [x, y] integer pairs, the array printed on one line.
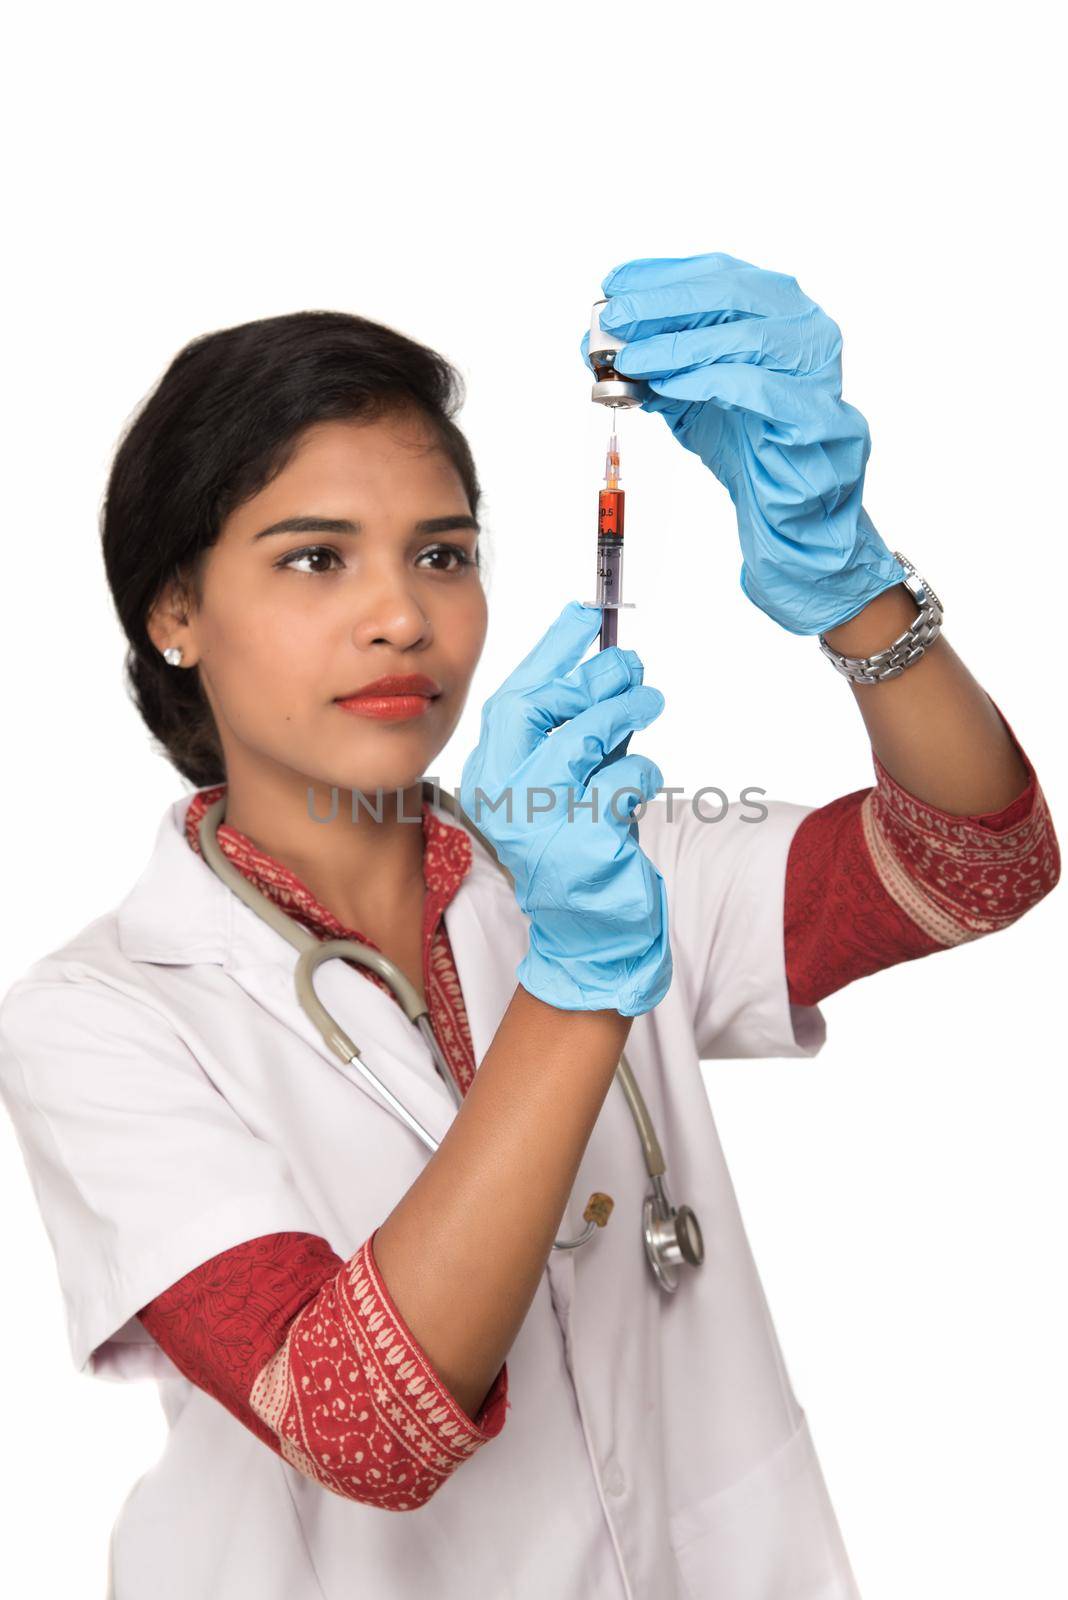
[[611, 387]]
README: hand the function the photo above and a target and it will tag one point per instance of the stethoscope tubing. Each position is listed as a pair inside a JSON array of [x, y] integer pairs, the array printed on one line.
[[313, 951]]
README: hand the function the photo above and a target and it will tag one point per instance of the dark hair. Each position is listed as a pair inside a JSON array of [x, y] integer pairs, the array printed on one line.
[[223, 420]]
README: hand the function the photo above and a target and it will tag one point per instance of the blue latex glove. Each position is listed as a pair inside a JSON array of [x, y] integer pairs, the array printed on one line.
[[597, 904], [746, 371]]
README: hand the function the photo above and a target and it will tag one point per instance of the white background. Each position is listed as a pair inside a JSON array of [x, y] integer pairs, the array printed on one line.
[[469, 179]]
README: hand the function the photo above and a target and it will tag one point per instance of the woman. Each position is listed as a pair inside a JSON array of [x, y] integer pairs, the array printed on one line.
[[340, 1325]]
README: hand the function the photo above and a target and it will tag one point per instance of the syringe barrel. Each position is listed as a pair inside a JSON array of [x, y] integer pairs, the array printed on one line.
[[609, 572], [610, 553], [610, 512]]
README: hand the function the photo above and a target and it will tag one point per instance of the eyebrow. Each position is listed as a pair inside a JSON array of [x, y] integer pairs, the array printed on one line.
[[343, 525]]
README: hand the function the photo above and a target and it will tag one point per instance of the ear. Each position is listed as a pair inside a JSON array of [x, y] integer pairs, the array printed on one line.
[[168, 617]]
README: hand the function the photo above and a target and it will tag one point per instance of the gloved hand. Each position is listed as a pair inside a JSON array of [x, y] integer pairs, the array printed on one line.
[[746, 371], [597, 904]]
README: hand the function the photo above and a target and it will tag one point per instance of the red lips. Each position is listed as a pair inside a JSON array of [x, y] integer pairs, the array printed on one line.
[[409, 683]]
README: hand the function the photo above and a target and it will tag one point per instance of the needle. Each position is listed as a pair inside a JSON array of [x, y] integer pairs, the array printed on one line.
[[611, 466]]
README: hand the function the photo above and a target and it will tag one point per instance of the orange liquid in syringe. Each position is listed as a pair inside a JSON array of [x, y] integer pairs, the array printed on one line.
[[610, 512]]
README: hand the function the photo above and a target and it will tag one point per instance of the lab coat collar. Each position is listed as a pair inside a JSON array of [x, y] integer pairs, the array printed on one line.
[[178, 913]]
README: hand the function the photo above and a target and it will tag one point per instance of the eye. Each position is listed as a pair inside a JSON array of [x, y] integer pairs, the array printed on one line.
[[462, 557], [309, 553]]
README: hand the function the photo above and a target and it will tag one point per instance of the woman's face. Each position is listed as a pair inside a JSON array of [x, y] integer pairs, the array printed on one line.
[[292, 619]]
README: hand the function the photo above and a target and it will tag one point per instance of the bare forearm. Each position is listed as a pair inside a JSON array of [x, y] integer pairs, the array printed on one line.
[[462, 1252], [934, 728]]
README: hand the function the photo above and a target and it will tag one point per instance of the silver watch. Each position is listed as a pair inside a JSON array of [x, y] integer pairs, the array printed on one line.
[[907, 648]]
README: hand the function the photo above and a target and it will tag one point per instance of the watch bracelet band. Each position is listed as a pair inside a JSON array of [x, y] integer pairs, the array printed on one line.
[[907, 648]]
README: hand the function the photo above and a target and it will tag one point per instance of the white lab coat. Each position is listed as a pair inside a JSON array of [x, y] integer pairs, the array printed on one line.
[[172, 1100]]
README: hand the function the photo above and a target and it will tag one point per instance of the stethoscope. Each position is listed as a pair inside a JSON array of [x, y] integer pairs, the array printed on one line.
[[672, 1236]]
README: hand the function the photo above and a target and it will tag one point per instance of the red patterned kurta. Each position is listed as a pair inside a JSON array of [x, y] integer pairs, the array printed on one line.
[[879, 877], [309, 1351]]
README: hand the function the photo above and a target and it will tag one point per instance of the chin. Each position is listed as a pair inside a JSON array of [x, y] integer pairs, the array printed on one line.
[[388, 757], [384, 777]]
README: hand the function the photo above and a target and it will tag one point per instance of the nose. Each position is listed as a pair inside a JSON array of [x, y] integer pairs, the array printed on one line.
[[389, 612]]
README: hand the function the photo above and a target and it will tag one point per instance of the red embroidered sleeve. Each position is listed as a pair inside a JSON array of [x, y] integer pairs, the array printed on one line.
[[312, 1355], [307, 1350], [878, 877]]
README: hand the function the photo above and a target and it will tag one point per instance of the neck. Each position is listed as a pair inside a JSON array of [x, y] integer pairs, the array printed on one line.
[[364, 864]]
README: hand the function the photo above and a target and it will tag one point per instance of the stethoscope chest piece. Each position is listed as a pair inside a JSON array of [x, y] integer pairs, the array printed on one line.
[[672, 1237]]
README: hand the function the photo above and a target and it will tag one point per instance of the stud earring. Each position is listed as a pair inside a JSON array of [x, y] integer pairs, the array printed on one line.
[[172, 655]]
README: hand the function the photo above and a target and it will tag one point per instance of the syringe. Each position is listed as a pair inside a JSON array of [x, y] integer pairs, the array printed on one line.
[[614, 390], [610, 508]]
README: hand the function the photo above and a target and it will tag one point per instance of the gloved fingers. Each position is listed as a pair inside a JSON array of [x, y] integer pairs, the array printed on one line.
[[670, 410], [621, 786], [796, 410], [520, 721], [584, 349], [694, 302], [652, 272], [578, 746], [604, 674], [650, 402], [647, 272], [560, 647], [805, 344], [523, 720], [505, 737]]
